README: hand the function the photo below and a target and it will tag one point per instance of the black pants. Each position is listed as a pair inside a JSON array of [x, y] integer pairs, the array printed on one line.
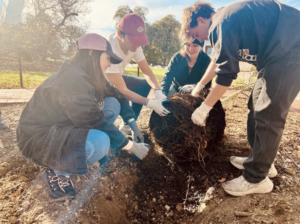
[[139, 86], [273, 94]]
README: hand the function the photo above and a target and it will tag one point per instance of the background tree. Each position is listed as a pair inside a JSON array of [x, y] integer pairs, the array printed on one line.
[[49, 27], [125, 9], [164, 40]]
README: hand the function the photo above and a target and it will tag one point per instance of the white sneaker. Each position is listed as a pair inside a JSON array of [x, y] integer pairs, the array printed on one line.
[[239, 161], [125, 129], [239, 186]]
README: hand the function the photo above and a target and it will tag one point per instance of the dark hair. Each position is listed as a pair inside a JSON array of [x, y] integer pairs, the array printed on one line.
[[189, 18], [90, 64], [184, 54], [123, 33]]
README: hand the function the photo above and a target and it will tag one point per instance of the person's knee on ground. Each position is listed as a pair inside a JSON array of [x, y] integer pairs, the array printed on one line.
[[97, 146], [145, 87], [142, 88], [138, 85], [111, 109]]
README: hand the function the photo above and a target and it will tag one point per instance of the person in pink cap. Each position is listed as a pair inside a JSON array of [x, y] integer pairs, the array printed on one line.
[[69, 122], [126, 43]]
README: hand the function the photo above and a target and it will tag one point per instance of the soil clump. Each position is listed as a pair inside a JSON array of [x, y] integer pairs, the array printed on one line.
[[180, 139]]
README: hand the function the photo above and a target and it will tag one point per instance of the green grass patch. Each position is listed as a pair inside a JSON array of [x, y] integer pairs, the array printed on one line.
[[159, 73], [31, 80]]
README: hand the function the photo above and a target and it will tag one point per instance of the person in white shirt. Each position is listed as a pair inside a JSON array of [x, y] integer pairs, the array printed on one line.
[[126, 43]]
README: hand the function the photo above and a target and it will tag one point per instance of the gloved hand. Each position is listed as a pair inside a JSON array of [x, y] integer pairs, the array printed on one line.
[[200, 114], [158, 107], [140, 150], [159, 95], [197, 90], [187, 88], [136, 133]]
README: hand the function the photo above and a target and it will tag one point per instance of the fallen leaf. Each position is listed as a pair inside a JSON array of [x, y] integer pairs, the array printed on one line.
[[242, 214], [39, 186], [117, 175], [222, 180]]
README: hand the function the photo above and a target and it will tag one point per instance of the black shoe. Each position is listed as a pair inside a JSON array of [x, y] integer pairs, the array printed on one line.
[[58, 186]]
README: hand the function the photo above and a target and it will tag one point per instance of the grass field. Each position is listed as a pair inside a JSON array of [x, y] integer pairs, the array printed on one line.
[[31, 80]]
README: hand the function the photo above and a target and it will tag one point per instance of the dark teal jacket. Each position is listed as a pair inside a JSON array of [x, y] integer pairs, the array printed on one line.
[[178, 75]]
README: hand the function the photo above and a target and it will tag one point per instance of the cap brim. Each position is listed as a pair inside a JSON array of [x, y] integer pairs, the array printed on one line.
[[138, 40], [196, 42], [114, 59]]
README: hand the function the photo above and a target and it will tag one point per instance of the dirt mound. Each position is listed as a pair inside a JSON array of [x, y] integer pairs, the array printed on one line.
[[170, 192], [180, 139], [153, 190]]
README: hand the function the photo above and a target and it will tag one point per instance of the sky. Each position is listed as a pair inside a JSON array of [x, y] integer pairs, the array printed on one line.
[[102, 11]]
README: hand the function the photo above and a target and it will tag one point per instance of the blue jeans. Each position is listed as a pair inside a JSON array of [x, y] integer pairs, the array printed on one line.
[[97, 143], [139, 86]]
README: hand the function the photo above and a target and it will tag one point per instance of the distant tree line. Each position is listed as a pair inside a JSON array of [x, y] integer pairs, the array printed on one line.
[[50, 29]]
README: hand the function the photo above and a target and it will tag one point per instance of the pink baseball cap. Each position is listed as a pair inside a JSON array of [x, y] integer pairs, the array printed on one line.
[[134, 27], [93, 41]]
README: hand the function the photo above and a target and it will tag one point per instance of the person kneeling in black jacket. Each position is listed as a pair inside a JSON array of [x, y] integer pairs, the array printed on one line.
[[69, 122]]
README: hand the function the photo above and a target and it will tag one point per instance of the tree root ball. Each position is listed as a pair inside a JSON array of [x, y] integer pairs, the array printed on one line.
[[179, 138]]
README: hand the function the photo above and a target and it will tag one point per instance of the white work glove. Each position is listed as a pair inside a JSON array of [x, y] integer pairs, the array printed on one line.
[[200, 114], [197, 90], [136, 133], [158, 107], [159, 94], [140, 150]]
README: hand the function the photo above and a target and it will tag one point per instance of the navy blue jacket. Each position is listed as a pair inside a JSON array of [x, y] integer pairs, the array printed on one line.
[[256, 31], [177, 73]]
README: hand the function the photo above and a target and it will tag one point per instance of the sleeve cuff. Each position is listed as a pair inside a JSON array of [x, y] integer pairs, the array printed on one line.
[[140, 59], [223, 80], [128, 117], [124, 143]]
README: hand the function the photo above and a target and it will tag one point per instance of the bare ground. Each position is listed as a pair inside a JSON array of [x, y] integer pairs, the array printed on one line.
[[151, 191]]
